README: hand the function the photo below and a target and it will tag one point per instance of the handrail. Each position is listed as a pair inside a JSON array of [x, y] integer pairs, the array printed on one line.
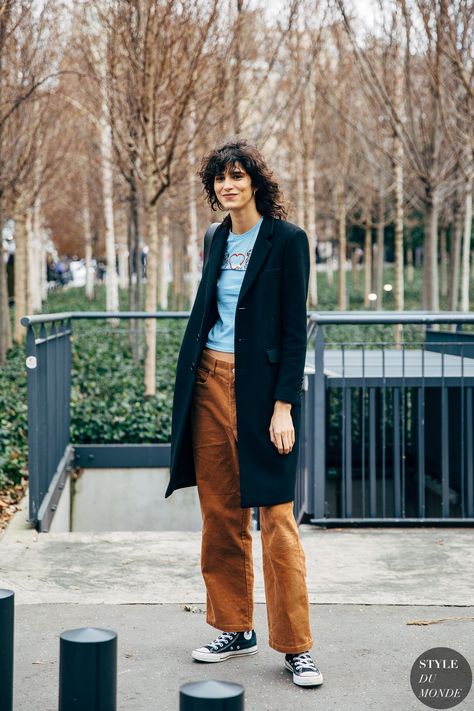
[[318, 317], [30, 319], [394, 317]]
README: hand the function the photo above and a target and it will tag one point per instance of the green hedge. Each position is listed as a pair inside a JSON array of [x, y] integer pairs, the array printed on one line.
[[108, 403], [13, 419], [107, 398]]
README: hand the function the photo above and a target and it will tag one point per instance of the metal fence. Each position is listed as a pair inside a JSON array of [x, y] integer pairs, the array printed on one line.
[[49, 354], [391, 417], [49, 386], [387, 418]]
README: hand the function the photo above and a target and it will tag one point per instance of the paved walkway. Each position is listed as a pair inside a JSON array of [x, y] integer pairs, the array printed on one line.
[[366, 587]]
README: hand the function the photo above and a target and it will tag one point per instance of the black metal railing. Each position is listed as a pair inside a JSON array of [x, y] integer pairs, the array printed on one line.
[[48, 365], [387, 418], [392, 420], [50, 452]]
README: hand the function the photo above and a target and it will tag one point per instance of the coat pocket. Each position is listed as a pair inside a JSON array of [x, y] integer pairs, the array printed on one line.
[[274, 354]]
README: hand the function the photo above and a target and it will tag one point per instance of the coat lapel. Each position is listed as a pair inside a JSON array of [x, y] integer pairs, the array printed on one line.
[[260, 251]]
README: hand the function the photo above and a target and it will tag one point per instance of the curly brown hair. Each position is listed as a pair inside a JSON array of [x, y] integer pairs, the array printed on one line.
[[268, 197]]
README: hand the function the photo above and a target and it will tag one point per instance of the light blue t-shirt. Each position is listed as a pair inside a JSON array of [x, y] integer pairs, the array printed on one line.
[[234, 265]]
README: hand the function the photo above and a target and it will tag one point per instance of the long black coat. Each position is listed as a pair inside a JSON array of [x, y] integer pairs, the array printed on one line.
[[269, 351]]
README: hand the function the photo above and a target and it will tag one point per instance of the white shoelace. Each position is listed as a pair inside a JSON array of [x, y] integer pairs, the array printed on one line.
[[222, 640], [304, 661]]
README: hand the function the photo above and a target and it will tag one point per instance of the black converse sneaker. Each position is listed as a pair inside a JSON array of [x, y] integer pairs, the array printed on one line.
[[305, 671], [227, 644]]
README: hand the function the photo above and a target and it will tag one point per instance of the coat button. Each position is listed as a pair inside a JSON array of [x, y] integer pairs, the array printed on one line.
[[192, 366]]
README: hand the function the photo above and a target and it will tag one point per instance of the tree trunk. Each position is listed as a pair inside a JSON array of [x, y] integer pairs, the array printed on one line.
[[453, 295], [443, 276], [135, 326], [161, 268], [329, 235], [354, 270], [43, 272], [123, 263], [165, 250], [20, 274], [30, 262], [367, 258], [87, 243], [397, 164], [122, 260], [300, 187], [106, 160], [410, 267], [379, 256], [37, 258], [237, 66], [177, 263], [466, 247], [311, 224], [137, 247], [398, 237], [5, 329], [151, 290], [193, 246], [341, 213], [430, 260], [36, 252], [112, 300]]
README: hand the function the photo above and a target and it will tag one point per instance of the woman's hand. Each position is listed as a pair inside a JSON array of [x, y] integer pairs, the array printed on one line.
[[282, 432]]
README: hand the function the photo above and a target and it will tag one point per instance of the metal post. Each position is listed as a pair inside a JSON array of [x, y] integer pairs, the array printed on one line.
[[34, 457], [309, 443], [211, 696], [347, 444], [7, 613], [88, 670], [319, 428]]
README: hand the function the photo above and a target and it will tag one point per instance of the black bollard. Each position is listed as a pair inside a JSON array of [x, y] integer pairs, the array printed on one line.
[[7, 615], [88, 670], [211, 696]]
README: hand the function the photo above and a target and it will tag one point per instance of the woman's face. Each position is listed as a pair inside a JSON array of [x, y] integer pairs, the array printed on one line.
[[234, 187]]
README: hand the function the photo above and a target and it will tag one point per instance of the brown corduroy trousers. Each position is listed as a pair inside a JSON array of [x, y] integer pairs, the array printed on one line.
[[226, 551]]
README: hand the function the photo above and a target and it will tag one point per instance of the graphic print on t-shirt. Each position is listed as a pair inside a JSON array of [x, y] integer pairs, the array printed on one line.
[[236, 260]]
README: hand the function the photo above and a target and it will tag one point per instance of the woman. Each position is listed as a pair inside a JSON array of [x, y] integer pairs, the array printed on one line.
[[236, 410]]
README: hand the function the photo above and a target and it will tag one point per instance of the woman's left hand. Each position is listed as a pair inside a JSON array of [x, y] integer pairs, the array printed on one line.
[[282, 432]]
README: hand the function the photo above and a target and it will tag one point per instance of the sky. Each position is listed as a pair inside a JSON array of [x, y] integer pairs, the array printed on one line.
[[366, 10]]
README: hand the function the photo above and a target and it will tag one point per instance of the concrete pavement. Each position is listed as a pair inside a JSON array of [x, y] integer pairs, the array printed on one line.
[[366, 586], [365, 654]]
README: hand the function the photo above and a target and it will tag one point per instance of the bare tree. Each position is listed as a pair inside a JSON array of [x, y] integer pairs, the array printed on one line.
[[458, 32], [164, 63], [26, 161], [421, 136], [97, 42]]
